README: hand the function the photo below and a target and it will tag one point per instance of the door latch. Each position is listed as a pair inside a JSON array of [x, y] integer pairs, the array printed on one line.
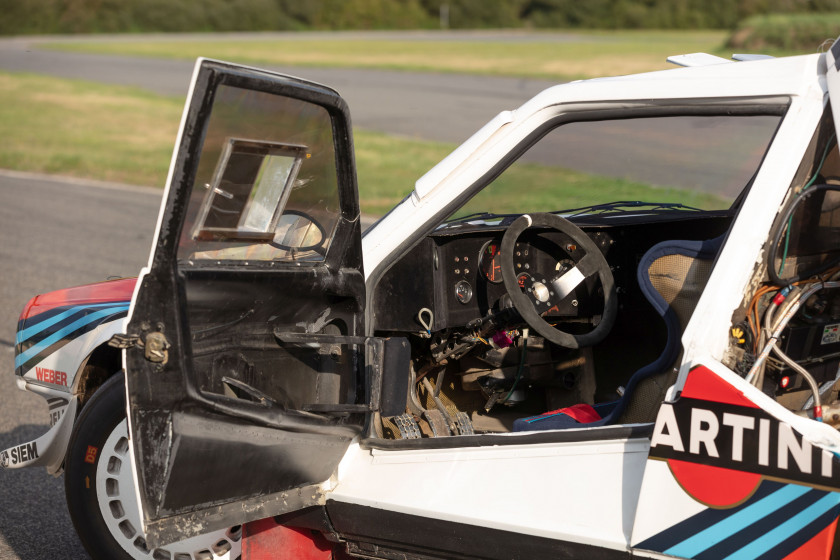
[[157, 348]]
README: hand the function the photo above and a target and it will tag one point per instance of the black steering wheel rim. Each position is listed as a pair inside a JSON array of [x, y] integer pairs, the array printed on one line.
[[593, 262], [314, 247]]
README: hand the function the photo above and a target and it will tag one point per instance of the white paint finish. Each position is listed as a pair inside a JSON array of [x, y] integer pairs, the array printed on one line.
[[708, 330], [432, 177], [52, 446], [582, 492], [696, 59], [765, 81], [663, 503], [818, 433], [72, 357]]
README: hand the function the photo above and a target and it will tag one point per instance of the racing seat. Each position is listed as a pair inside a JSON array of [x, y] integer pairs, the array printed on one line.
[[672, 276]]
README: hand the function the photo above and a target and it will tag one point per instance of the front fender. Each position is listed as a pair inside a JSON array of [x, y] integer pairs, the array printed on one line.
[[49, 449]]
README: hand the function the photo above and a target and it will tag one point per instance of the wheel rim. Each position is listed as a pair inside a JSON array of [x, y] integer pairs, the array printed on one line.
[[118, 507]]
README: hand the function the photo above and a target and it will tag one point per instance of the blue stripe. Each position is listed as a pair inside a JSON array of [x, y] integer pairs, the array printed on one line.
[[26, 333], [689, 527], [716, 533], [800, 539], [60, 334], [30, 363], [788, 528], [741, 539]]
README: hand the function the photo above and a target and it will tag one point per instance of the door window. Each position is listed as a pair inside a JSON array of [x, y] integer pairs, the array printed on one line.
[[266, 187]]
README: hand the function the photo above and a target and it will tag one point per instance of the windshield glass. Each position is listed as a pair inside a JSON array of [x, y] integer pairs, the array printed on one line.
[[672, 163]]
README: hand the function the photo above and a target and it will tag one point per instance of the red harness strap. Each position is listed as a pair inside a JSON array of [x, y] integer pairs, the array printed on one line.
[[583, 413]]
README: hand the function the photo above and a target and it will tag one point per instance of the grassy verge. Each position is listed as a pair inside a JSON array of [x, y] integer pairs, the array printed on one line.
[[74, 128], [585, 54], [123, 134], [785, 33]]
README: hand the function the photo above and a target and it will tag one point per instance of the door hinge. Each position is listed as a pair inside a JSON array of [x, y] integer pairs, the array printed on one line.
[[155, 345], [125, 341]]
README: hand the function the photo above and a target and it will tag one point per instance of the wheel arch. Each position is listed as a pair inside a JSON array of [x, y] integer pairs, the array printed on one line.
[[101, 364]]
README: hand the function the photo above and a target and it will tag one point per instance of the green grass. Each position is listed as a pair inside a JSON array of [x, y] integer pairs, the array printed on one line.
[[74, 128], [783, 34], [124, 134], [593, 54], [529, 187]]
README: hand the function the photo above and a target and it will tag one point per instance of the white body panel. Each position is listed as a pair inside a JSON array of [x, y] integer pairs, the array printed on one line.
[[726, 83], [530, 489], [64, 365], [67, 360]]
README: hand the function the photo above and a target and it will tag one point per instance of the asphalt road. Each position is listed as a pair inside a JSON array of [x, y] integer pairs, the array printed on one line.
[[56, 233], [431, 106], [445, 107]]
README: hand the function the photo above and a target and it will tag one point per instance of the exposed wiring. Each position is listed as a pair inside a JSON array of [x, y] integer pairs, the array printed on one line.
[[521, 363], [813, 179], [774, 324], [753, 314]]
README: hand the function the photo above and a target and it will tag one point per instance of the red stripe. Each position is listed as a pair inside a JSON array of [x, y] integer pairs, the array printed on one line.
[[100, 292], [817, 547], [704, 384]]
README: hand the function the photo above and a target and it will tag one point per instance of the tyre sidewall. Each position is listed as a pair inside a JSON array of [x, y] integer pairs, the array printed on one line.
[[99, 417]]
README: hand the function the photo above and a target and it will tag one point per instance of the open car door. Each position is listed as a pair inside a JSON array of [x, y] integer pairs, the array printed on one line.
[[244, 357]]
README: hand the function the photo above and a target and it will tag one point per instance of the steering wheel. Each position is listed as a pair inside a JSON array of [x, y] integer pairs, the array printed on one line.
[[298, 220], [556, 289]]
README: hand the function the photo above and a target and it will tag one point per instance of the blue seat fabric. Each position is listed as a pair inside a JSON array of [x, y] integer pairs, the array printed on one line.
[[611, 411]]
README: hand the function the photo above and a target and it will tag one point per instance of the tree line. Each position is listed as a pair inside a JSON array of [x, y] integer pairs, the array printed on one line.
[[113, 16]]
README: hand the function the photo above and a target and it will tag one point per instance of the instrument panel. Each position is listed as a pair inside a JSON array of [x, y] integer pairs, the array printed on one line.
[[471, 275], [456, 273]]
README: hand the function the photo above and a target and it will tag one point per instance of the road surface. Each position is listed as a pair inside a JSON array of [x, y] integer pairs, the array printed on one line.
[[56, 233], [445, 107]]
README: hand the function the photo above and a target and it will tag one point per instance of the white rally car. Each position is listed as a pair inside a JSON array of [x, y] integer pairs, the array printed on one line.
[[532, 363]]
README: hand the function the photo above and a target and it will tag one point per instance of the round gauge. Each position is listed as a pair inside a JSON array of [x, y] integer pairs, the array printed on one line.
[[525, 281], [564, 265], [489, 264], [463, 291]]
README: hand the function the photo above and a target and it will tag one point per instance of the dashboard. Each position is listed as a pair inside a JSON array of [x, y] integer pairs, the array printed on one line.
[[453, 276]]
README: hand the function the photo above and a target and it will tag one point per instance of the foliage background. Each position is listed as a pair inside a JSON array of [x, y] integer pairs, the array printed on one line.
[[109, 16]]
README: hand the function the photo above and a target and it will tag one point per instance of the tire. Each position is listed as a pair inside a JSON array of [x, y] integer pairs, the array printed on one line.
[[99, 486]]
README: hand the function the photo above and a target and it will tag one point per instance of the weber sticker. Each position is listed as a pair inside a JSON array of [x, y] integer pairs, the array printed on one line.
[[831, 334], [52, 376]]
